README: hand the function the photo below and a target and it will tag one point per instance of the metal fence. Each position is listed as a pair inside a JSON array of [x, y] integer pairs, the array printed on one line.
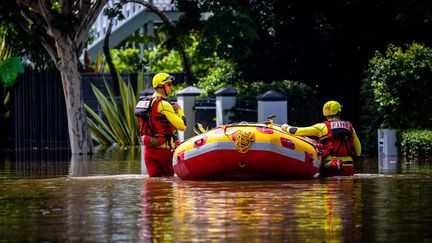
[[302, 113], [39, 114], [205, 112], [299, 113], [39, 119], [244, 110]]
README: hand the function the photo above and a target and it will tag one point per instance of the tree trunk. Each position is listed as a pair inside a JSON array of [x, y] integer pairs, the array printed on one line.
[[67, 27], [79, 135], [106, 50], [190, 77]]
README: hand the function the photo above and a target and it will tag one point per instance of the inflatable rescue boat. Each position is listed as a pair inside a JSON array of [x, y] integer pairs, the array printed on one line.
[[246, 151]]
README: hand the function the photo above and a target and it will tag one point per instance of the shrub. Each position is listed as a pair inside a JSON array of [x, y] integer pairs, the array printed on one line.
[[401, 81], [218, 77], [396, 90], [415, 144], [303, 106]]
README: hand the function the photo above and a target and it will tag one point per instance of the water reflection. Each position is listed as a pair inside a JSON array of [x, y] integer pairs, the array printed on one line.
[[135, 208], [112, 160], [46, 163], [79, 165], [396, 208], [103, 209], [37, 163], [247, 211], [157, 216], [105, 198], [388, 164], [31, 210]]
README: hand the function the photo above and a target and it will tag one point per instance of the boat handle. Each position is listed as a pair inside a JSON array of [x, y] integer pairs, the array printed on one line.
[[199, 142]]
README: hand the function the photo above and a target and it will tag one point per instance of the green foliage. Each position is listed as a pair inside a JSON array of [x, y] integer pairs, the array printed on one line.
[[287, 87], [211, 71], [416, 144], [25, 44], [56, 6], [159, 59], [303, 104], [125, 60], [122, 127], [396, 90], [219, 76], [296, 40], [401, 81], [5, 53]]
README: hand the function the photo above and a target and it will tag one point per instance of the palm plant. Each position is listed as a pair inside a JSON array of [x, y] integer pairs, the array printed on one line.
[[5, 53], [121, 126]]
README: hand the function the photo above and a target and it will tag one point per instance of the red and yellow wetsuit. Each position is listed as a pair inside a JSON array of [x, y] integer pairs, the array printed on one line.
[[321, 131], [159, 141]]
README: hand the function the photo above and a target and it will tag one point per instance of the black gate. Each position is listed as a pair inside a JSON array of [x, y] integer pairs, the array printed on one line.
[[205, 112], [39, 114], [39, 119]]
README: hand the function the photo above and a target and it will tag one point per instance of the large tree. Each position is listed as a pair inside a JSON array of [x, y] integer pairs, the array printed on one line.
[[326, 44], [62, 27]]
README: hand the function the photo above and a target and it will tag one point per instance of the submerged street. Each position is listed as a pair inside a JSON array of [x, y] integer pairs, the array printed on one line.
[[114, 200]]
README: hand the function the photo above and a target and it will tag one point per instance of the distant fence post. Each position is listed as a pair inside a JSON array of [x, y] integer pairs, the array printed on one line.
[[273, 103], [387, 150], [186, 99], [225, 100]]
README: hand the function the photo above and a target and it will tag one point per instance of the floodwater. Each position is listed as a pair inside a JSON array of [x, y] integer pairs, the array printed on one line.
[[109, 198]]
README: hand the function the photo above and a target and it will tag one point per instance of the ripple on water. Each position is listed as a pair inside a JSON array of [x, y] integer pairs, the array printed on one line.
[[110, 177], [372, 176]]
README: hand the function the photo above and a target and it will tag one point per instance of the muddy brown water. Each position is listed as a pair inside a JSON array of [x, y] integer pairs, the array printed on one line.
[[109, 198]]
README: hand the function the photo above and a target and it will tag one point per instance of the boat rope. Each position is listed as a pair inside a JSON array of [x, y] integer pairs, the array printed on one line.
[[243, 141]]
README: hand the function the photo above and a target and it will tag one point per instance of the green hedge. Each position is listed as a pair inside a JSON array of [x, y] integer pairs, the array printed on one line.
[[396, 91], [416, 144], [303, 104]]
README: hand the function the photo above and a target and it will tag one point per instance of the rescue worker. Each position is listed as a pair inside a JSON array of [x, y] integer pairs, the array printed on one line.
[[159, 121], [337, 138]]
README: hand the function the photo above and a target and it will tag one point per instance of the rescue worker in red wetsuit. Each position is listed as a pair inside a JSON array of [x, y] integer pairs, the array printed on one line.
[[338, 138], [159, 121]]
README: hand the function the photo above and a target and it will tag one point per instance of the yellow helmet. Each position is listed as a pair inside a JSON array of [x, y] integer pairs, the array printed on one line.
[[161, 78], [332, 108]]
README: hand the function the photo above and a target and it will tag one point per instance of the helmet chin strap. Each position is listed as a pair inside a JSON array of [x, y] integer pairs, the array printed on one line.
[[166, 94], [164, 90]]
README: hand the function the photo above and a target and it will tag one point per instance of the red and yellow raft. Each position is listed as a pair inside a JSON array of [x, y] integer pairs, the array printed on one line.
[[246, 151]]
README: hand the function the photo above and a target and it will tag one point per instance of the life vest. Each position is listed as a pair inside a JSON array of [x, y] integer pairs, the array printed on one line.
[[339, 141], [151, 122]]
